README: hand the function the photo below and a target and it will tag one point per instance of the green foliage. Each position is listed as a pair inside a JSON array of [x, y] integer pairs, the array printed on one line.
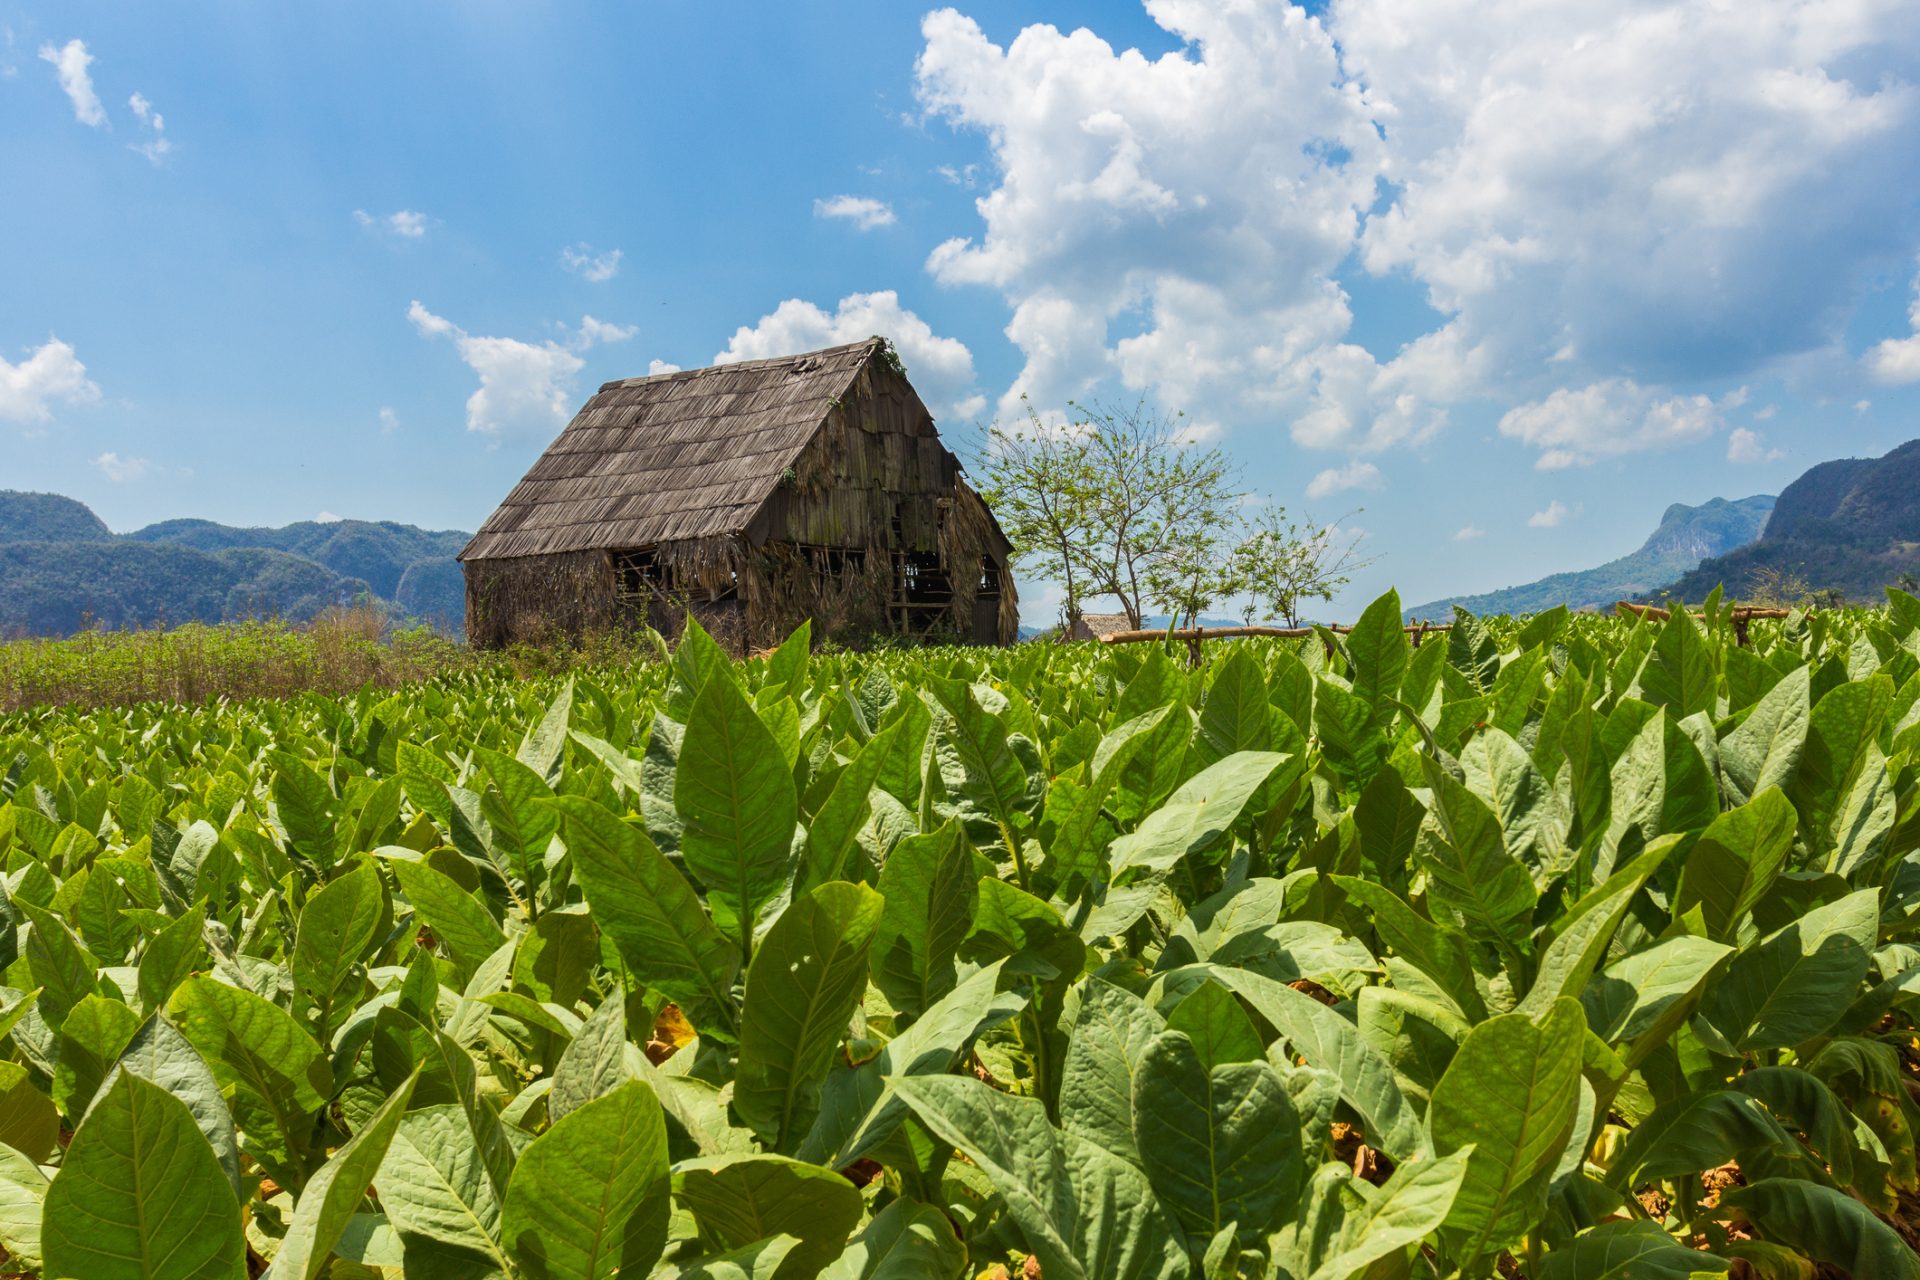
[[62, 570], [1578, 946]]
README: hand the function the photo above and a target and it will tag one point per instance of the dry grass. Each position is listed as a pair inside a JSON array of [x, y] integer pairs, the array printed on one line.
[[340, 652]]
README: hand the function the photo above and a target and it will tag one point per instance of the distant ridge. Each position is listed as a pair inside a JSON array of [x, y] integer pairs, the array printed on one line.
[[62, 570], [1850, 526], [1686, 536]]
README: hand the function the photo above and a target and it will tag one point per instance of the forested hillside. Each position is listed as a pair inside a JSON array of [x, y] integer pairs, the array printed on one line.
[[1686, 536], [62, 570], [1851, 527]]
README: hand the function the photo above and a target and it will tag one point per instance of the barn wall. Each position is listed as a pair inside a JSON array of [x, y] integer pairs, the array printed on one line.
[[878, 477], [532, 598]]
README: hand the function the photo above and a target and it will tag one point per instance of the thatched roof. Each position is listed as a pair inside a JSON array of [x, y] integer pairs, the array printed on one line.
[[1094, 625], [676, 456]]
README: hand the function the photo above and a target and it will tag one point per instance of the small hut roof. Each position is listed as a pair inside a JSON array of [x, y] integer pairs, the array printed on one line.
[[675, 456], [1094, 625]]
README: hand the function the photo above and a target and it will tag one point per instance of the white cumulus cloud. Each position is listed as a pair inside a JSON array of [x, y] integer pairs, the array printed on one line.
[[50, 374], [1576, 426], [1212, 192], [1355, 475], [524, 386], [1549, 517], [863, 212], [122, 470], [594, 332], [1897, 360], [591, 265], [941, 368], [156, 144], [1468, 532], [1665, 192], [1745, 445], [408, 224], [70, 62]]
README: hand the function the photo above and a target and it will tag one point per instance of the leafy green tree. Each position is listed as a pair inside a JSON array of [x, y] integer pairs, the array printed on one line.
[[1198, 568], [1040, 482], [1282, 563], [1161, 504]]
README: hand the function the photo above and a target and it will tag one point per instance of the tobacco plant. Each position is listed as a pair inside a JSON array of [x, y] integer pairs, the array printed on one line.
[[1560, 947]]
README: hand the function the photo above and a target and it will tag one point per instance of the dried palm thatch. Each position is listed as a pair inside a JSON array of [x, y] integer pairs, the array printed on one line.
[[752, 495]]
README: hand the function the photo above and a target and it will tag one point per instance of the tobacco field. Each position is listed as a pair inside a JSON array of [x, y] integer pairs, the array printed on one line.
[[1572, 946]]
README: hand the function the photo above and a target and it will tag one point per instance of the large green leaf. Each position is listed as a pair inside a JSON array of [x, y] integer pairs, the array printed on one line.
[[734, 794], [806, 977], [161, 1055], [1583, 933], [433, 1184], [1699, 1131], [1826, 1225], [1629, 1251], [1085, 1213], [1236, 715], [92, 1038], [1440, 954], [931, 887], [1512, 1095], [1642, 997], [61, 967], [332, 1195], [1328, 1041], [255, 1046], [29, 1122], [1471, 873], [1764, 749], [23, 1194], [1221, 1147], [1405, 1210], [141, 1196], [652, 914], [858, 1109], [1110, 1032], [336, 926], [1736, 860], [1679, 674], [978, 762], [904, 1241], [305, 806], [740, 1200], [469, 933], [1844, 723], [1197, 816], [1211, 1017], [1379, 649], [589, 1197], [1796, 982]]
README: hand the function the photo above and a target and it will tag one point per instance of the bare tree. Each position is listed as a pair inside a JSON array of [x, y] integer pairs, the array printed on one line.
[[1283, 563]]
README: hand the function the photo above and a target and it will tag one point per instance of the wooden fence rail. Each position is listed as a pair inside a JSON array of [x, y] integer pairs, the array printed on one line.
[[1739, 616], [1194, 635]]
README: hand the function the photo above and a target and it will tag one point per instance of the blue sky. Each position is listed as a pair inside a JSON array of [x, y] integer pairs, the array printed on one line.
[[1510, 276]]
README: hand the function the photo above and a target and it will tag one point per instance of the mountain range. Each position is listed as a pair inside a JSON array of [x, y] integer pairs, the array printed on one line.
[[1850, 526], [62, 570], [1844, 530], [1686, 537]]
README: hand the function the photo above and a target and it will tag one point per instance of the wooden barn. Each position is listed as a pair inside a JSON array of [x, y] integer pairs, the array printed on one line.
[[753, 496]]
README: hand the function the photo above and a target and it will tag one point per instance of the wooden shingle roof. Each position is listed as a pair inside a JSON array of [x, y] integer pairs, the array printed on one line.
[[681, 455]]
